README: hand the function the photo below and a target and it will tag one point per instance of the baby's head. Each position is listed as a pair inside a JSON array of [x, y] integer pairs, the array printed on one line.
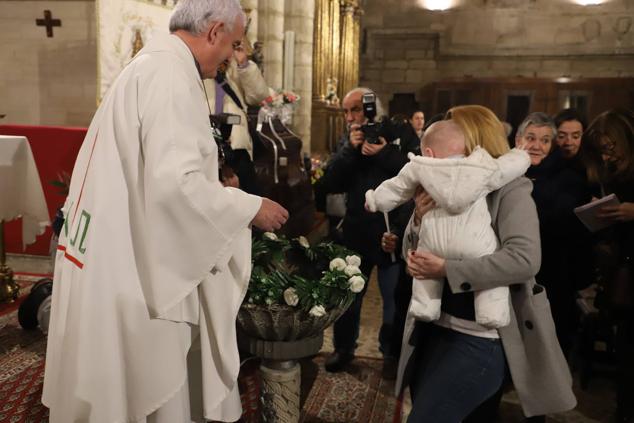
[[443, 139]]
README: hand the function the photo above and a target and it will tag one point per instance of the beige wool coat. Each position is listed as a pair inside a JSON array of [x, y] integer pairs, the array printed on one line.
[[538, 368]]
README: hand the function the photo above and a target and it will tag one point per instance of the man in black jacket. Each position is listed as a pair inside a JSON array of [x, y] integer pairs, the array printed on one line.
[[357, 167]]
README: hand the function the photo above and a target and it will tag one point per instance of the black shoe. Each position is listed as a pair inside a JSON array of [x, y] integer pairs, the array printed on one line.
[[390, 367], [338, 360]]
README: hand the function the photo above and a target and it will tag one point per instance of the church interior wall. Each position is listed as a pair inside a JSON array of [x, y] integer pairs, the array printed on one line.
[[406, 47], [48, 80]]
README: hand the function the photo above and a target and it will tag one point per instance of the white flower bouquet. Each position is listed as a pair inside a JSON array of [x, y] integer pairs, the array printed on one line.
[[315, 279]]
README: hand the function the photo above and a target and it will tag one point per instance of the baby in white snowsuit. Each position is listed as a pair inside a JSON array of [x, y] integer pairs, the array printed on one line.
[[460, 227]]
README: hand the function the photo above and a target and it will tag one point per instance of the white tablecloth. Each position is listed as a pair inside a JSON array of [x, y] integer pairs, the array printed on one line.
[[21, 192]]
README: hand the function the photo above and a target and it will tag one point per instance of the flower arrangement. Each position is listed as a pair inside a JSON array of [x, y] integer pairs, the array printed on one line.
[[278, 105], [62, 183], [317, 166], [280, 98], [315, 279]]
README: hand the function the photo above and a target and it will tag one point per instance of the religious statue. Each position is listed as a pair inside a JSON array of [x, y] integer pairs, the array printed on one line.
[[331, 92]]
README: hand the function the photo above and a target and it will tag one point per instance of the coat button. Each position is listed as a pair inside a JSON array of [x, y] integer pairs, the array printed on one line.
[[465, 286], [213, 270], [528, 324]]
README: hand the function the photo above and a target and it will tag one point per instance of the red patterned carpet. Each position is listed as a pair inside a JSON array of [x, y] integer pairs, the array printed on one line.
[[359, 395], [21, 363]]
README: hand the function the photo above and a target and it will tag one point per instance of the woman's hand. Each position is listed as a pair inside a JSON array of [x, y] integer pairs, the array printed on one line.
[[389, 242], [424, 203], [425, 265], [624, 212]]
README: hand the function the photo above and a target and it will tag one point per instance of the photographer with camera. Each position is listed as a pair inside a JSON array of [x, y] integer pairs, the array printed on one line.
[[365, 158]]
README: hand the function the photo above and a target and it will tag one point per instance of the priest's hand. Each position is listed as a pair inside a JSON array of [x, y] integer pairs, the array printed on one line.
[[270, 217]]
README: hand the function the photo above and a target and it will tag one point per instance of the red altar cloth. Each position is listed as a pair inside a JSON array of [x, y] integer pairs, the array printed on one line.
[[54, 149]]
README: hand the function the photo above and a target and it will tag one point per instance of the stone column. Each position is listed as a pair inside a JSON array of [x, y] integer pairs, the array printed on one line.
[[250, 7], [299, 18], [271, 32], [280, 390], [349, 57]]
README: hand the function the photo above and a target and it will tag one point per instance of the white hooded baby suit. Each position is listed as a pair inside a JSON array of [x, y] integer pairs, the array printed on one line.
[[460, 227]]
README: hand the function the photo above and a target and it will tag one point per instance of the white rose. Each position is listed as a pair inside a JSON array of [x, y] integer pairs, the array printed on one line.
[[317, 311], [353, 260], [303, 242], [270, 235], [356, 284], [351, 270], [337, 264], [290, 296]]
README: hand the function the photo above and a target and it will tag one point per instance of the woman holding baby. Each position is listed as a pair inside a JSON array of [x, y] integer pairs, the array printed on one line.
[[454, 364]]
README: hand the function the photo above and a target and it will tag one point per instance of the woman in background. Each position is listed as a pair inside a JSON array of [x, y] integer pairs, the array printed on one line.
[[608, 153], [566, 243]]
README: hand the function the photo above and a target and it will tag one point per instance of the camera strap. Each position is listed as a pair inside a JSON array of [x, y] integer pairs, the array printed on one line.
[[221, 79]]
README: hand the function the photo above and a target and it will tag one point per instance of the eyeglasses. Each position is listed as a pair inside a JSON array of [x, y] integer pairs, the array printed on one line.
[[607, 147]]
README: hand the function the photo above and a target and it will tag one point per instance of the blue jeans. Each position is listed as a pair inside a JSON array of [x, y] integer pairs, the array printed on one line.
[[346, 328], [453, 374]]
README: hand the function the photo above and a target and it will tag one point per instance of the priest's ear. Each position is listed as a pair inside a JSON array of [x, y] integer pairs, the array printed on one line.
[[213, 34]]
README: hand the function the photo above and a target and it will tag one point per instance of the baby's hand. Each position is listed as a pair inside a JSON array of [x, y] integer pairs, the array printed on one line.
[[521, 144], [370, 202]]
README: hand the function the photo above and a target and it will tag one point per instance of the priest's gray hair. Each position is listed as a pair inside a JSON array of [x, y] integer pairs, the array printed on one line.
[[538, 119], [380, 112], [195, 16]]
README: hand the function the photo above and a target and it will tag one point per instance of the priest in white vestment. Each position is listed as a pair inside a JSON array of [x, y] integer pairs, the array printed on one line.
[[155, 254]]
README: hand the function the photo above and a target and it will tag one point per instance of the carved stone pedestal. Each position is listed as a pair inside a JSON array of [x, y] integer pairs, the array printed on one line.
[[279, 396], [280, 335], [280, 391]]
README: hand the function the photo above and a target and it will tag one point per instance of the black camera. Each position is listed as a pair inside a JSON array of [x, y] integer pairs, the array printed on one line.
[[371, 130], [221, 127]]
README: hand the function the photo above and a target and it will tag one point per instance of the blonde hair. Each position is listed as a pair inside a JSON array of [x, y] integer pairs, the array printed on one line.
[[481, 128]]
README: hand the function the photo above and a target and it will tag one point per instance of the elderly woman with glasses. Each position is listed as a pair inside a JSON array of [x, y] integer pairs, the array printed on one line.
[[566, 243]]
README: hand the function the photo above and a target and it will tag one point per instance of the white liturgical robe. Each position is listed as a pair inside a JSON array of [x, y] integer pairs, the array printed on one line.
[[154, 251]]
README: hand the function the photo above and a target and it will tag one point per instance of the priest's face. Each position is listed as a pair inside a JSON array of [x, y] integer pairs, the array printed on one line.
[[219, 46]]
